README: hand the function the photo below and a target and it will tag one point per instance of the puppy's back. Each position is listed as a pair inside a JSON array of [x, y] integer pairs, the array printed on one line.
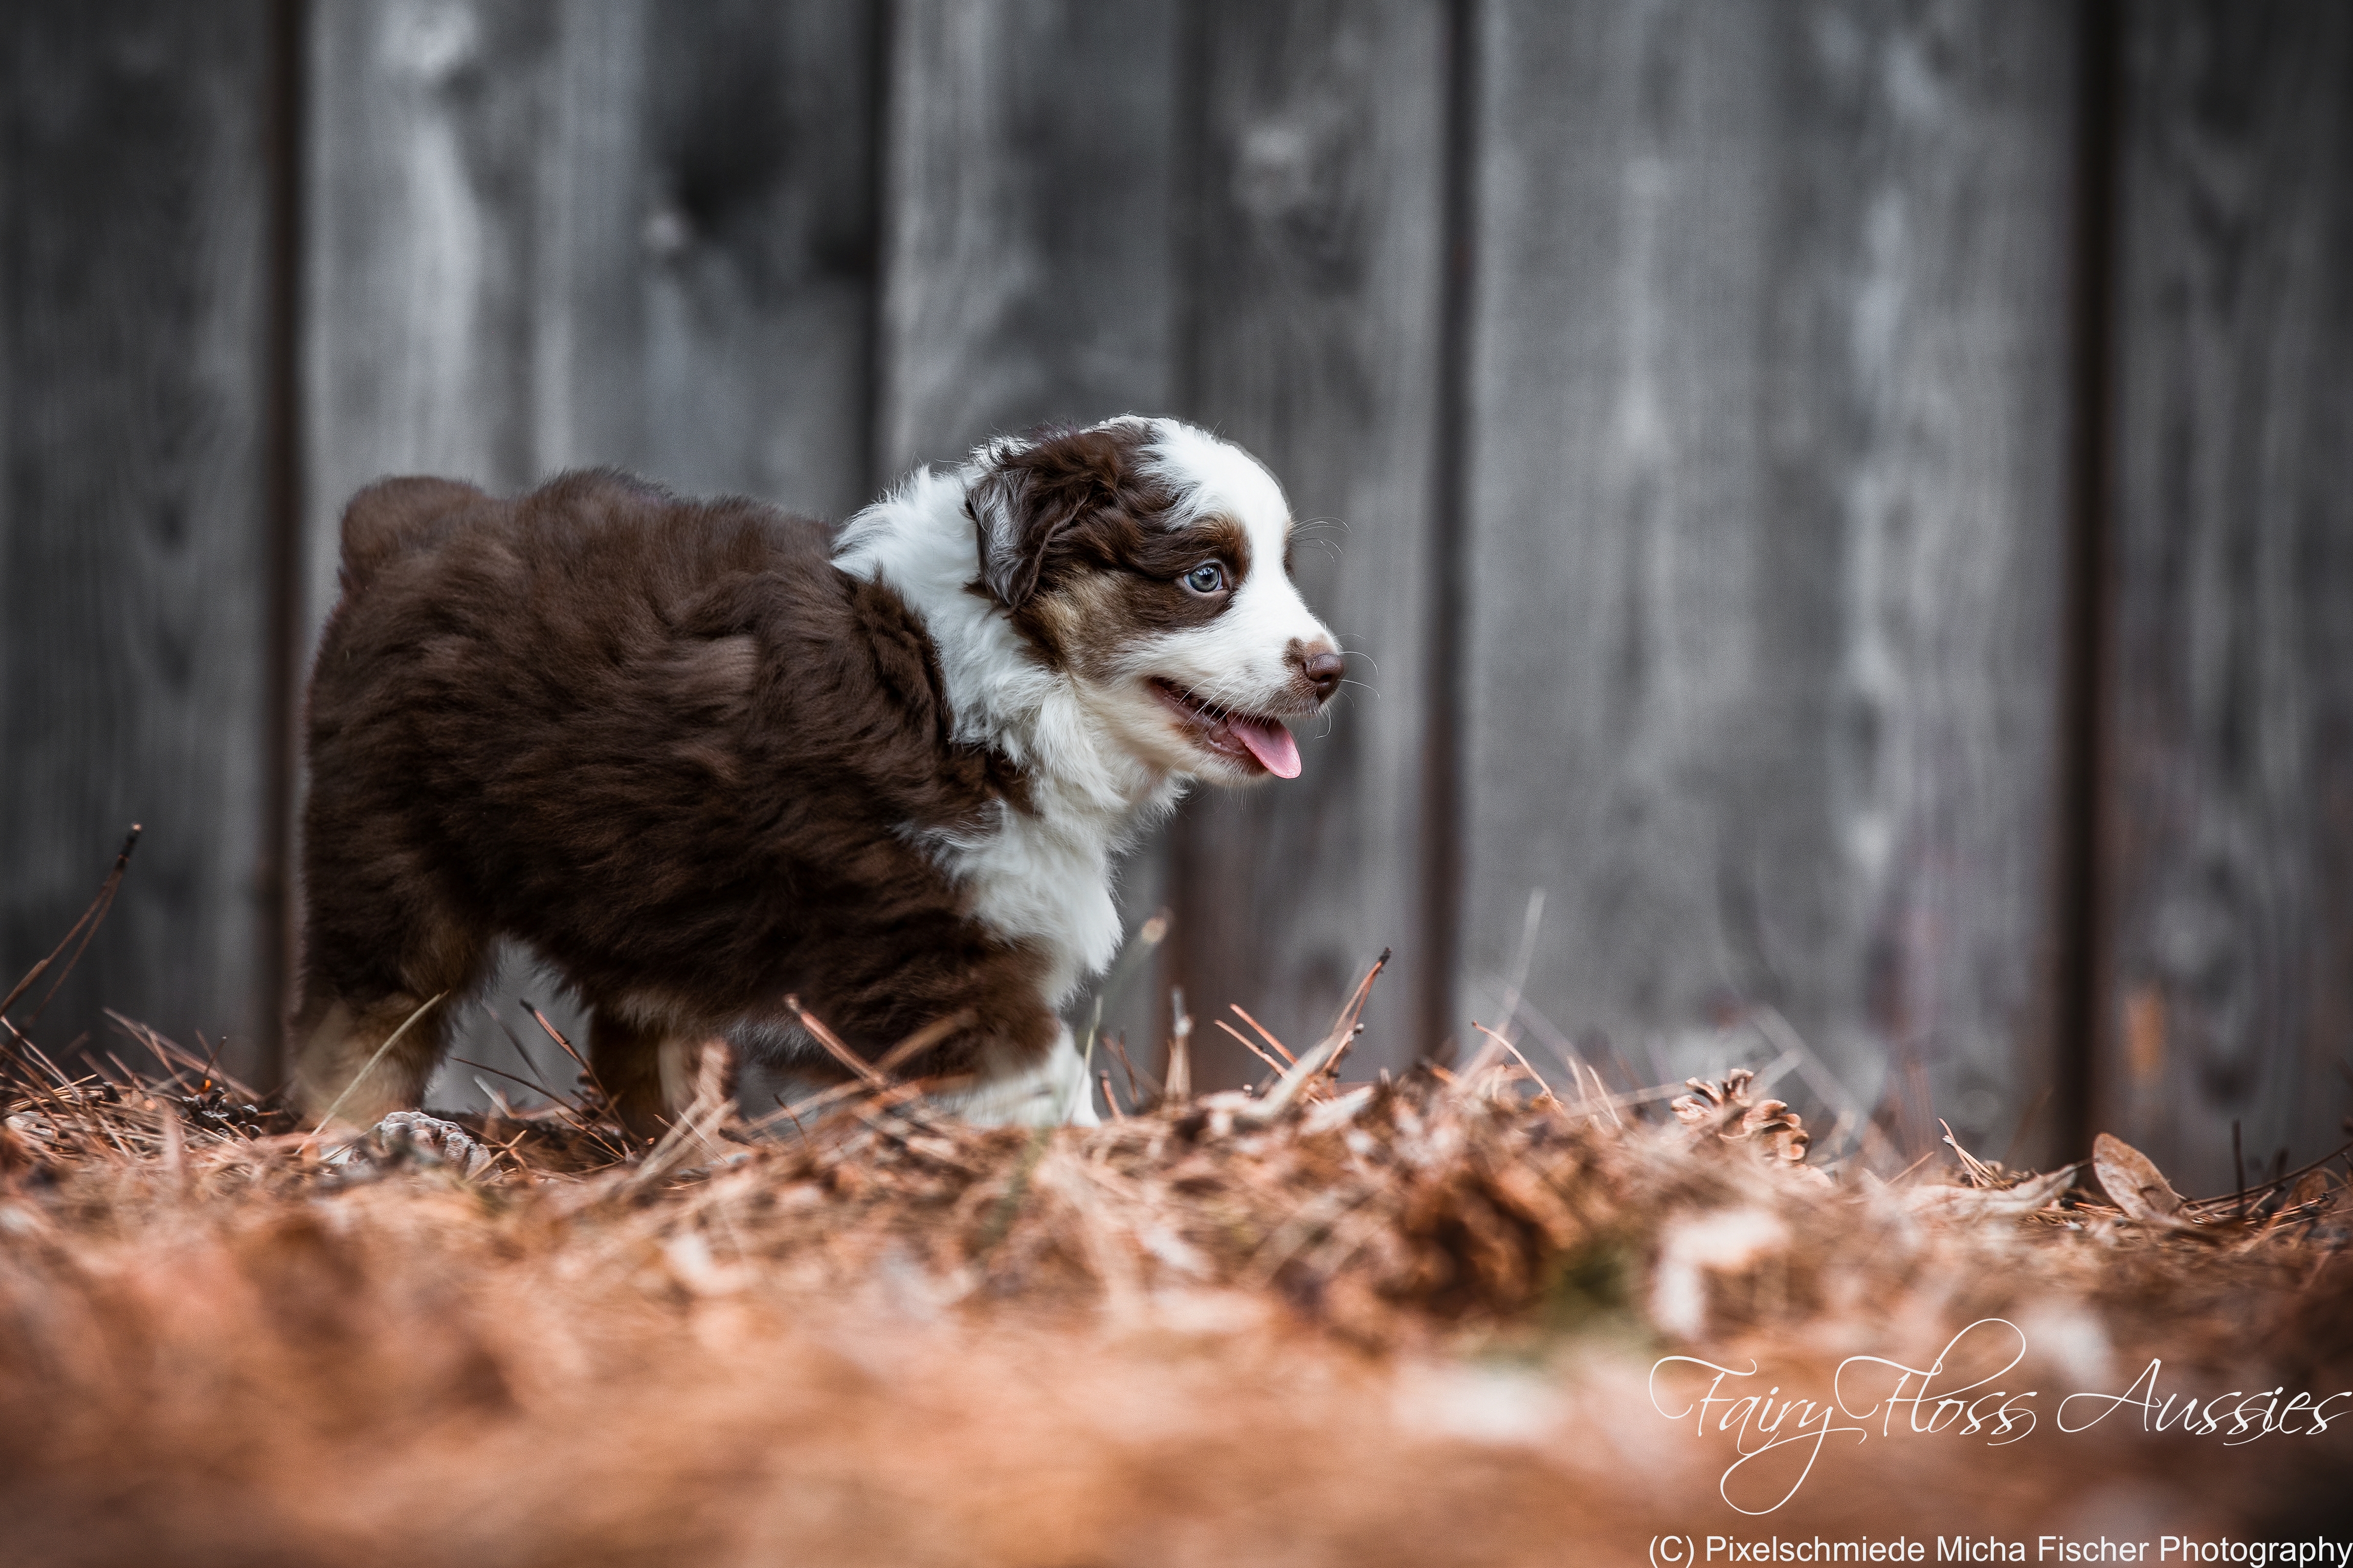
[[396, 516], [580, 531], [655, 736]]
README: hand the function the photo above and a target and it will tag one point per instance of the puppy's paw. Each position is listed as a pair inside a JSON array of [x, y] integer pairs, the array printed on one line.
[[1055, 1092], [410, 1140]]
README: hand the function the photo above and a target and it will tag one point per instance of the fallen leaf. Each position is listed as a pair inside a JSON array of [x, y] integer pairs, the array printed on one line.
[[2133, 1181]]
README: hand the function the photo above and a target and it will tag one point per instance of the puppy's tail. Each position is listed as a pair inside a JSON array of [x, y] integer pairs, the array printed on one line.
[[393, 516]]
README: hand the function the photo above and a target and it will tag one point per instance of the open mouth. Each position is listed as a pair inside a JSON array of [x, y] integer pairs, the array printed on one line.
[[1253, 740]]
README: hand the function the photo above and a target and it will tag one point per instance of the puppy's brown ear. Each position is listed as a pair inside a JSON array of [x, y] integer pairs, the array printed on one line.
[[1031, 495]]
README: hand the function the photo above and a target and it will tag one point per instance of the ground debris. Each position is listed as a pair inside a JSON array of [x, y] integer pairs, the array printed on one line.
[[527, 1337]]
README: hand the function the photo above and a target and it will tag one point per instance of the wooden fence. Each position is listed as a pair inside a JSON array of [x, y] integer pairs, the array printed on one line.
[[1846, 504]]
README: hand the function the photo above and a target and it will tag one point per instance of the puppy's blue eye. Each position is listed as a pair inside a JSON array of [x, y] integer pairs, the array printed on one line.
[[1205, 578]]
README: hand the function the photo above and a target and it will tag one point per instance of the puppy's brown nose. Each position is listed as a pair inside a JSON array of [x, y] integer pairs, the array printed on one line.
[[1323, 667]]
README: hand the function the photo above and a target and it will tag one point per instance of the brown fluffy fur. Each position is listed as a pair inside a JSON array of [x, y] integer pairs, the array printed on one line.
[[665, 742]]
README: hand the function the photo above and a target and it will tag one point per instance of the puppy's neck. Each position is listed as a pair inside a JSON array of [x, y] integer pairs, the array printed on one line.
[[920, 541]]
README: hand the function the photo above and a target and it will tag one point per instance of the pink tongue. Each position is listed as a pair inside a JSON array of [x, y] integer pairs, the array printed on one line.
[[1272, 744]]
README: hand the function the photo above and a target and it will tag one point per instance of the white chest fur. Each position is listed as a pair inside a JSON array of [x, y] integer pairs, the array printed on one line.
[[1041, 875], [1036, 884]]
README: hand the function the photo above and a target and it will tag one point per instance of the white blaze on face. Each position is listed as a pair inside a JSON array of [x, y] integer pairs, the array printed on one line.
[[1243, 660]]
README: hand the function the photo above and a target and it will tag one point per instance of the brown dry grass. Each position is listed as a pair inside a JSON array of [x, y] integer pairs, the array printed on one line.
[[1409, 1322]]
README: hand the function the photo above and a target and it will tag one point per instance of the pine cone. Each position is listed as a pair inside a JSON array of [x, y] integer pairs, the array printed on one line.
[[1726, 1109]]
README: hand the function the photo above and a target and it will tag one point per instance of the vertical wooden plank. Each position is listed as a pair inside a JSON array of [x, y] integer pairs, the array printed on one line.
[[1314, 289], [1031, 177], [1767, 510], [717, 285], [546, 235], [2228, 884], [428, 122], [1031, 167], [134, 270]]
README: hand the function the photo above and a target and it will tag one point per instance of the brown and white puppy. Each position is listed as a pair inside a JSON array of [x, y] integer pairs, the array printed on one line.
[[704, 755]]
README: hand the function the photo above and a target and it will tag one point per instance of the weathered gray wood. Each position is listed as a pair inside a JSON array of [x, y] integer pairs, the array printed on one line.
[[548, 234], [545, 235], [1765, 493], [1314, 278], [134, 280], [1030, 175], [427, 125], [2227, 897], [1766, 500], [724, 305]]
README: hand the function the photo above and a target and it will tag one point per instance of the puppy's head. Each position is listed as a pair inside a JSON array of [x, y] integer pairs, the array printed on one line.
[[1150, 562]]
